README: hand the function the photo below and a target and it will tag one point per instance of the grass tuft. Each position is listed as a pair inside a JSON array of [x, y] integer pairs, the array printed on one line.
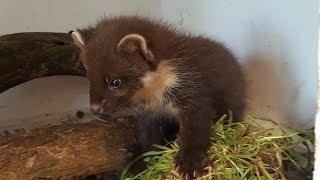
[[243, 150]]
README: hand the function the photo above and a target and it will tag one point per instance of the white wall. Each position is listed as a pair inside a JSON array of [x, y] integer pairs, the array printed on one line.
[[65, 15], [275, 40]]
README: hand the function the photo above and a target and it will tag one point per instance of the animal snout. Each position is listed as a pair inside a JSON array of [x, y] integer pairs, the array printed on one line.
[[98, 110], [95, 108]]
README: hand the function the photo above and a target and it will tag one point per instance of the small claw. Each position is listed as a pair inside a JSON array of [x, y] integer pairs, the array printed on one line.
[[208, 168], [194, 174], [178, 169]]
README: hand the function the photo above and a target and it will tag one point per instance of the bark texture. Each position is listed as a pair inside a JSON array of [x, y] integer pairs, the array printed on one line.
[[65, 152], [26, 56]]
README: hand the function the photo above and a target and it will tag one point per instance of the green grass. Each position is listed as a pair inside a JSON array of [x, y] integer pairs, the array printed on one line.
[[242, 150]]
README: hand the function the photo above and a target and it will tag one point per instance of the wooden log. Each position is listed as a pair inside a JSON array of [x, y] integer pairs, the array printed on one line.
[[65, 152], [26, 56]]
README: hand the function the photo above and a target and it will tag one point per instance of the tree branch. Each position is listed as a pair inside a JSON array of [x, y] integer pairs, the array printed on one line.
[[26, 56]]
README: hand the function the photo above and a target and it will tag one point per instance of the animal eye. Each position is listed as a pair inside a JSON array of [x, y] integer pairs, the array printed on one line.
[[114, 83]]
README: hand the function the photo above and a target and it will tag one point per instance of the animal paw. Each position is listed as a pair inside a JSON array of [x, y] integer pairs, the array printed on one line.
[[191, 166], [133, 151]]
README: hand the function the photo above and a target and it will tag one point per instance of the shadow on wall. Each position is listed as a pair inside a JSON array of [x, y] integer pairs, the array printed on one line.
[[275, 87], [271, 93], [263, 93]]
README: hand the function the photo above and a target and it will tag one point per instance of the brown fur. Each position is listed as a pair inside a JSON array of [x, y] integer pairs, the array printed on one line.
[[166, 75]]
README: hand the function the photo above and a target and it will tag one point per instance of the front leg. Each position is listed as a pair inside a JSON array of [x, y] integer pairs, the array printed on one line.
[[153, 130], [156, 130], [146, 134], [194, 139]]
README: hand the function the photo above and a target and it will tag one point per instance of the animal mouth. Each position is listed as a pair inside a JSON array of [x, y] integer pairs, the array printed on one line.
[[104, 117], [125, 112]]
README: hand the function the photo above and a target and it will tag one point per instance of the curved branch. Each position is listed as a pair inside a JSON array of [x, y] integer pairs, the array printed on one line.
[[26, 56]]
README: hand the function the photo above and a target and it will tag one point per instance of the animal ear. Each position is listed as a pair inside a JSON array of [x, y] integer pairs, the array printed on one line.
[[135, 43], [78, 39], [81, 38]]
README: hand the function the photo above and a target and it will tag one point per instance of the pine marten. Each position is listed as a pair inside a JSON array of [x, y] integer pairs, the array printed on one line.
[[162, 74]]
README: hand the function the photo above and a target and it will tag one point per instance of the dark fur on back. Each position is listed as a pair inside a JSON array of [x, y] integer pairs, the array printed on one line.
[[202, 80]]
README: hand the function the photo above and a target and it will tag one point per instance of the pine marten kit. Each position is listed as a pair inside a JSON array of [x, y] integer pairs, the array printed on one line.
[[174, 82]]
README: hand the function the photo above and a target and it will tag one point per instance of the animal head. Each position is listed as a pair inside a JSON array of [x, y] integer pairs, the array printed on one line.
[[122, 69]]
